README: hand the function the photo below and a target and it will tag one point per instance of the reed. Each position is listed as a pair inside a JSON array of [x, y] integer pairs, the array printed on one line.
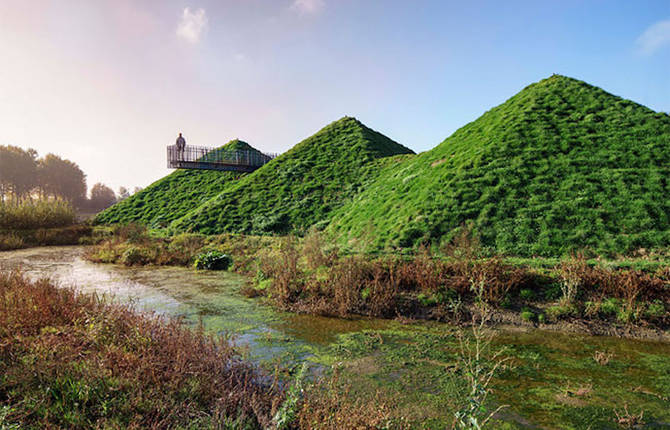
[[34, 214]]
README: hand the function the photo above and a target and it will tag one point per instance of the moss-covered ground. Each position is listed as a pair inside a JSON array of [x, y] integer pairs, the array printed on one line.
[[551, 381]]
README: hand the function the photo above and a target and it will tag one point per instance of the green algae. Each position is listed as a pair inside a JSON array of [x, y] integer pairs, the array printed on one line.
[[553, 380]]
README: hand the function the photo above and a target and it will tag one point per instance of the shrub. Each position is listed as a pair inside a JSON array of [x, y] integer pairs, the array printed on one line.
[[655, 310], [9, 241], [558, 312], [426, 300], [552, 291], [526, 294], [315, 251], [527, 315], [496, 278], [570, 273], [610, 306], [134, 256], [132, 233], [187, 242], [212, 260]]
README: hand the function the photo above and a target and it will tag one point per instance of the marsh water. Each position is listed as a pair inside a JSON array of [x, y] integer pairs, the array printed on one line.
[[555, 379], [207, 297]]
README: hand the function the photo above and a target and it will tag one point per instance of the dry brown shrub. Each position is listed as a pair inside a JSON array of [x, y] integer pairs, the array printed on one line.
[[288, 282], [384, 290], [627, 285], [573, 273], [347, 280], [330, 406], [316, 252], [496, 278], [424, 271], [603, 357]]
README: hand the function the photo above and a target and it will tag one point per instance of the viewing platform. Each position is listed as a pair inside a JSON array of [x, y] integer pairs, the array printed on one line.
[[202, 158]]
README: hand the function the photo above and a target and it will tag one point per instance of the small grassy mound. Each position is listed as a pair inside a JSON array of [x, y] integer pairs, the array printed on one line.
[[174, 195], [560, 166], [301, 187]]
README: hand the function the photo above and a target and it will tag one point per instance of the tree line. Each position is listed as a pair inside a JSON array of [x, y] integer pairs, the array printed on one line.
[[25, 175]]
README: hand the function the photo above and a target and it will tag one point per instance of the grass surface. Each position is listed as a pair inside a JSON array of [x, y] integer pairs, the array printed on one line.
[[174, 195], [298, 189], [560, 166]]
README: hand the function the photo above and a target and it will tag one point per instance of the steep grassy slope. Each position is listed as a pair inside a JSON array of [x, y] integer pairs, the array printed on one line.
[[560, 166], [174, 195], [299, 188]]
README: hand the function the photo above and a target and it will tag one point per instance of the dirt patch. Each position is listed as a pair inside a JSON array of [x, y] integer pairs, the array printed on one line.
[[512, 321]]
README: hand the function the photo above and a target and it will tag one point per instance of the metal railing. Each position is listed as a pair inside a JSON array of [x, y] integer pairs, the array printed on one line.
[[200, 157]]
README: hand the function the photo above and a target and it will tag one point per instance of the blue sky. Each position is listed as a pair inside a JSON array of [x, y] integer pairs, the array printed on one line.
[[109, 84]]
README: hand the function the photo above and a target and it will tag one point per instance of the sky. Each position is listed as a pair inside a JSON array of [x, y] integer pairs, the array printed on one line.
[[108, 84]]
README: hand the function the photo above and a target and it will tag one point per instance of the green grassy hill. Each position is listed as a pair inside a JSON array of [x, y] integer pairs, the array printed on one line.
[[173, 196], [301, 187], [560, 166]]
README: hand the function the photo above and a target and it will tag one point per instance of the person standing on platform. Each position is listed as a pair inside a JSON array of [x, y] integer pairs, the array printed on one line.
[[181, 144]]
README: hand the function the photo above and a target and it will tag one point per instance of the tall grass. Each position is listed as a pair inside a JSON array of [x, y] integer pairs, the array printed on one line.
[[34, 214], [69, 360]]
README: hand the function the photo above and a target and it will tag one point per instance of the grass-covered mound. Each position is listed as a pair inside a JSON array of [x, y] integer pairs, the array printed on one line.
[[562, 165], [301, 187], [173, 196]]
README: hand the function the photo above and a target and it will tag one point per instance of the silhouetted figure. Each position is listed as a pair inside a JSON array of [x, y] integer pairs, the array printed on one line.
[[181, 144]]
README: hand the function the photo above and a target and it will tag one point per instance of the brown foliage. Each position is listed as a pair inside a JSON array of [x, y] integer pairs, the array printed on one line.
[[146, 361], [628, 285], [331, 406], [496, 277]]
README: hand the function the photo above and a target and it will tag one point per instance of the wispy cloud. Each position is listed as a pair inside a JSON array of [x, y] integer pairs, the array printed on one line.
[[654, 37], [305, 7], [191, 25]]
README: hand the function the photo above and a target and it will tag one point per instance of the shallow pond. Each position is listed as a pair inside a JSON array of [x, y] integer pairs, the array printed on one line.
[[552, 381], [210, 298]]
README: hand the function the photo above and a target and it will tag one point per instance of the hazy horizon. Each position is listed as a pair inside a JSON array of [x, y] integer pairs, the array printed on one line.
[[109, 84]]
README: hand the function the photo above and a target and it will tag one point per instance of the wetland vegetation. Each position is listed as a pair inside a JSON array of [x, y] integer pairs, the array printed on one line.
[[39, 222], [365, 373], [311, 275]]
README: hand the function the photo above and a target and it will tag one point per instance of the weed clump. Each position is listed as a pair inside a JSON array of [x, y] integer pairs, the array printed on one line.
[[212, 260]]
